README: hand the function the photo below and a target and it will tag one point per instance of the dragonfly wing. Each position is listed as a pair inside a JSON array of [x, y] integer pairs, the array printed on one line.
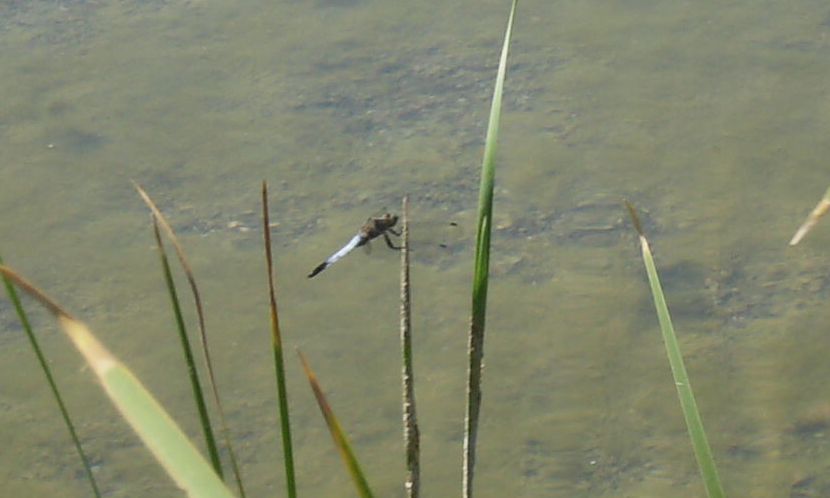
[[438, 243], [356, 240], [435, 234]]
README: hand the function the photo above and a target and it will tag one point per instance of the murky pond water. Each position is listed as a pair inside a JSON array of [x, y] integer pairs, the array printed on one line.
[[712, 121]]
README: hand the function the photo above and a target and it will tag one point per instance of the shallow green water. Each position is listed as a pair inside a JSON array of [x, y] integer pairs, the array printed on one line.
[[712, 119]]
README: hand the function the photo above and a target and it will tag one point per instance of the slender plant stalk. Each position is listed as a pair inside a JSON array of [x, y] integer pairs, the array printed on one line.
[[151, 422], [198, 393], [337, 433], [820, 210], [191, 279], [279, 364], [703, 454], [475, 347], [411, 434], [53, 386]]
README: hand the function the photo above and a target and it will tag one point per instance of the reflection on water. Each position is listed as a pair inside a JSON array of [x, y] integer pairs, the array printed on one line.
[[712, 122]]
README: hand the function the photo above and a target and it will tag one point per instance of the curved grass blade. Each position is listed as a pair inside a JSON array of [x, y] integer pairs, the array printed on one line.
[[820, 210], [53, 386], [279, 364], [168, 230], [411, 434], [700, 445], [154, 426], [475, 347], [340, 439], [195, 384]]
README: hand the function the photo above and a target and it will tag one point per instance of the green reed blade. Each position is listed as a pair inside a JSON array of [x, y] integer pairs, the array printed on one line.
[[191, 279], [279, 364], [337, 433], [700, 444], [411, 433], [151, 422], [475, 347], [53, 386], [195, 384]]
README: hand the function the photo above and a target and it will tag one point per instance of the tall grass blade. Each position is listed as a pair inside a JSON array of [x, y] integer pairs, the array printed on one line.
[[168, 230], [53, 386], [411, 434], [154, 426], [475, 347], [340, 439], [820, 210], [195, 384], [700, 444], [279, 364]]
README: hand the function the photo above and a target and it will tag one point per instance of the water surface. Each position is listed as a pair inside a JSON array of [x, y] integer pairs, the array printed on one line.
[[712, 119]]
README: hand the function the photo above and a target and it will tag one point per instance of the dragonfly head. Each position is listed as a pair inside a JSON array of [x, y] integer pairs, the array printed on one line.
[[390, 219]]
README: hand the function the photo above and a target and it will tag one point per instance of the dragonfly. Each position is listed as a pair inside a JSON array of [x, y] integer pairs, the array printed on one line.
[[380, 226], [373, 228]]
